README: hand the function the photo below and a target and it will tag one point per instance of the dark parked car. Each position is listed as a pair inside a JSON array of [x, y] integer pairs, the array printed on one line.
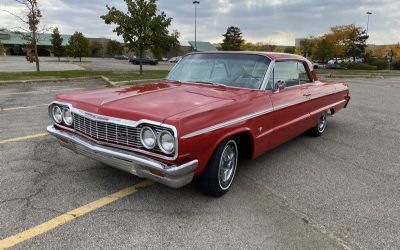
[[121, 57], [144, 60], [334, 66]]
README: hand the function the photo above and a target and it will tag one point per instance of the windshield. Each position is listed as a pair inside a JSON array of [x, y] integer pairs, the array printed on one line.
[[235, 70]]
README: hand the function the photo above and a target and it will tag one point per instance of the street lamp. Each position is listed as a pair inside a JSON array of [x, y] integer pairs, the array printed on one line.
[[368, 14], [195, 24]]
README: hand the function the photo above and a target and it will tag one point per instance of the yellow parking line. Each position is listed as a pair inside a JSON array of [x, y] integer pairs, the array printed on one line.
[[24, 107], [23, 138], [64, 218]]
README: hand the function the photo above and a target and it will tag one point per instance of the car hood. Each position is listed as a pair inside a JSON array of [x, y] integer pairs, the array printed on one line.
[[154, 102]]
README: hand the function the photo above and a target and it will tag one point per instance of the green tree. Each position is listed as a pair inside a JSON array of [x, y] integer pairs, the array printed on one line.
[[96, 49], [2, 50], [289, 50], [355, 42], [114, 48], [56, 42], [169, 41], [78, 46], [233, 39], [141, 27], [322, 49]]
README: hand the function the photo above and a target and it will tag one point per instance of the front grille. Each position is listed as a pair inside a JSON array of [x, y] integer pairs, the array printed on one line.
[[107, 132], [111, 132]]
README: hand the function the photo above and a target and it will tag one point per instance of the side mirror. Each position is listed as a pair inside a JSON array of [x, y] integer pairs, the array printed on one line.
[[279, 85]]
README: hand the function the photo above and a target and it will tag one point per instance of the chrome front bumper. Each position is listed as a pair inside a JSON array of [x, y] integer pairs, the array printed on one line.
[[170, 175]]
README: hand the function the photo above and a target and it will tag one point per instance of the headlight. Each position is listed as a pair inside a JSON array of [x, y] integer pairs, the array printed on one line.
[[67, 117], [166, 142], [56, 113], [148, 138]]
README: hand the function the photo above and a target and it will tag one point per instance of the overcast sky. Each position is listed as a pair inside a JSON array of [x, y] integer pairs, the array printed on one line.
[[268, 21]]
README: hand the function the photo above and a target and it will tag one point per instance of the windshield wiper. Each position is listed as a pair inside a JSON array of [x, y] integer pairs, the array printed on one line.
[[212, 83]]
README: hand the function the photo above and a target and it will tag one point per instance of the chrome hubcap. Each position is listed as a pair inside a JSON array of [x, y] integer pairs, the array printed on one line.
[[322, 123], [227, 165]]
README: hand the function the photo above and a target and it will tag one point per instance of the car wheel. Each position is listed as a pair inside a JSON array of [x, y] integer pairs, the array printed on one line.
[[218, 176], [319, 129]]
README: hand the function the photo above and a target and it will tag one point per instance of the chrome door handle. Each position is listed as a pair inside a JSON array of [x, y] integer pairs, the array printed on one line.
[[306, 94]]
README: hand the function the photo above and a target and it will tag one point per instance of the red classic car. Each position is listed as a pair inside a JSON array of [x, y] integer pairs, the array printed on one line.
[[210, 110]]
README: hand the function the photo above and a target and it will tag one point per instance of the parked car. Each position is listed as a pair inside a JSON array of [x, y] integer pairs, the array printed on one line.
[[121, 57], [175, 59], [334, 66], [210, 110], [144, 60]]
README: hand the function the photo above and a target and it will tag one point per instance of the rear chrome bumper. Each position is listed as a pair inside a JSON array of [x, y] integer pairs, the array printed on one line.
[[171, 175]]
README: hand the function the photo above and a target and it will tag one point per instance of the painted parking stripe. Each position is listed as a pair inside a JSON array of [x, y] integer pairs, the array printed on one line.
[[40, 92], [23, 107], [71, 215], [23, 138]]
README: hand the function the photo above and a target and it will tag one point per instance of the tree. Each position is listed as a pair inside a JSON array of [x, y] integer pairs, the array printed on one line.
[[78, 46], [96, 49], [322, 49], [141, 27], [306, 46], [56, 42], [170, 41], [31, 19], [2, 50], [289, 50], [114, 48], [355, 41], [232, 39]]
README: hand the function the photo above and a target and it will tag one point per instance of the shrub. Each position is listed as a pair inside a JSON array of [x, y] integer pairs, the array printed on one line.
[[396, 65], [379, 63], [363, 66]]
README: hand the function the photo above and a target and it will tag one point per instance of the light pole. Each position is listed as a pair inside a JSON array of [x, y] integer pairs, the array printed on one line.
[[195, 24], [368, 14]]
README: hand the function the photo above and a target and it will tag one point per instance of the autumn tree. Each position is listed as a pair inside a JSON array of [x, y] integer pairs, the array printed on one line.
[[141, 27], [233, 39], [114, 48], [30, 30], [355, 41], [56, 42], [78, 46]]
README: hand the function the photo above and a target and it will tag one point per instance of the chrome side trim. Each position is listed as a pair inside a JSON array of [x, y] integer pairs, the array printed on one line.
[[119, 121], [256, 114], [227, 123]]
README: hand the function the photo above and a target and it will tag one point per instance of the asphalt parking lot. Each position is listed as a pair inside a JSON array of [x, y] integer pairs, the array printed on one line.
[[338, 191]]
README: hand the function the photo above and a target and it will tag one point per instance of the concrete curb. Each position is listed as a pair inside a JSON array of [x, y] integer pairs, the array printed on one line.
[[105, 79], [52, 80]]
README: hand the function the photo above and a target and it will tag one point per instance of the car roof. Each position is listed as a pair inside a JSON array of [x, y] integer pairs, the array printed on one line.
[[271, 55]]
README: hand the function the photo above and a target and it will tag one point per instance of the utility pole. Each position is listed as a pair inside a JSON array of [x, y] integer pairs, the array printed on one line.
[[195, 24], [368, 14]]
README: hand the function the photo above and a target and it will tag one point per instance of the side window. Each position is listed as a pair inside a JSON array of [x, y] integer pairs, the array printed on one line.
[[292, 73], [303, 74], [287, 72]]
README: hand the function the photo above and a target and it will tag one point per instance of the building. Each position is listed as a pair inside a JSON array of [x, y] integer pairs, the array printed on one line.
[[202, 46], [15, 45]]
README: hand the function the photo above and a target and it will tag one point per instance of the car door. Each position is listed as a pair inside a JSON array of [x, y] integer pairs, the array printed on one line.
[[291, 114]]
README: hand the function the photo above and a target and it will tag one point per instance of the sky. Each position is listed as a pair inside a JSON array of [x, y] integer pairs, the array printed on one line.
[[268, 21]]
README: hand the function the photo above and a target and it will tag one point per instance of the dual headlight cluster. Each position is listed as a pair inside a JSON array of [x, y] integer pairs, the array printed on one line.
[[61, 114], [165, 140]]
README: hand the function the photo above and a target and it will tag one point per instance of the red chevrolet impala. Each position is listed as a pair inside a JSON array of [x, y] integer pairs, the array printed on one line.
[[210, 110]]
